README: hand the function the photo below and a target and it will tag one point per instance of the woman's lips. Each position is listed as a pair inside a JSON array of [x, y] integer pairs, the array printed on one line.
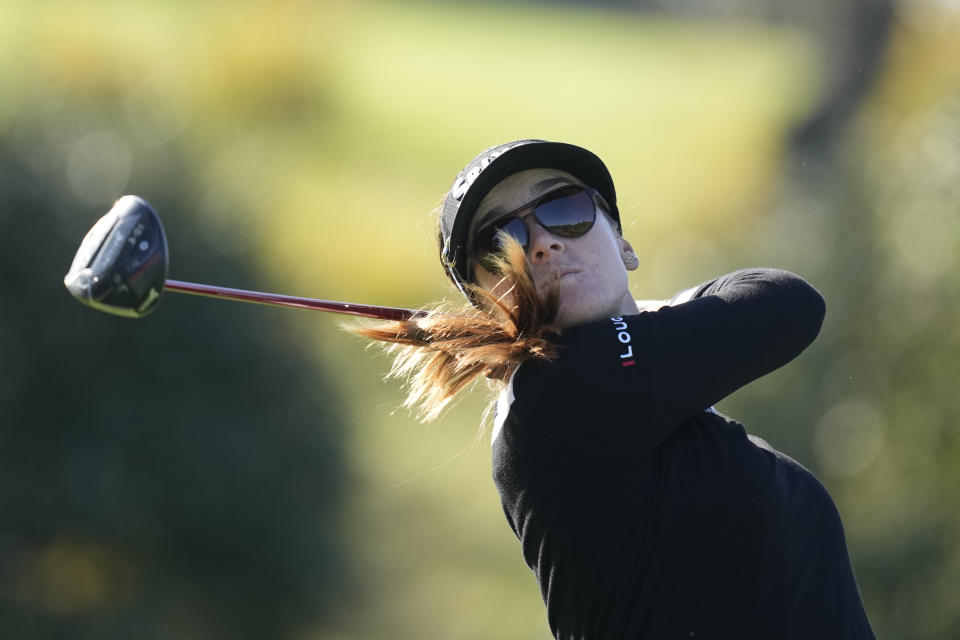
[[558, 275]]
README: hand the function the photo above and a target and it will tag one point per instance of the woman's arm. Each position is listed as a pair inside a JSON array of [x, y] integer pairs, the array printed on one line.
[[654, 369]]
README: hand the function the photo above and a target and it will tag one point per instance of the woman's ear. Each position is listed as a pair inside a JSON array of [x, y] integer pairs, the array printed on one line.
[[627, 254]]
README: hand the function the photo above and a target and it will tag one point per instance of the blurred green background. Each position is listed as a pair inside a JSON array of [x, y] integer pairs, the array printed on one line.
[[233, 471]]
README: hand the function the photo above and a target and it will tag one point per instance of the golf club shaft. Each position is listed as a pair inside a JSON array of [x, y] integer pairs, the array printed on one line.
[[240, 295]]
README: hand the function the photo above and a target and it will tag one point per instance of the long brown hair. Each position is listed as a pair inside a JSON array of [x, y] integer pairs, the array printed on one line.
[[449, 347]]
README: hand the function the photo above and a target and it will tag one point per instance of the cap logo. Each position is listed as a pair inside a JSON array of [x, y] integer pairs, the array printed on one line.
[[465, 179]]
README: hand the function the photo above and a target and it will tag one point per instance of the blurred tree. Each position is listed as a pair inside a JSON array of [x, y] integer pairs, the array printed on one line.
[[178, 476]]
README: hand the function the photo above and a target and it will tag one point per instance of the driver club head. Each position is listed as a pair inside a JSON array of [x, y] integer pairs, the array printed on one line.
[[121, 265]]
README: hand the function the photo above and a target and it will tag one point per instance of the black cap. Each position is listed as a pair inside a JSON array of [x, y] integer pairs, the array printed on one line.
[[499, 162]]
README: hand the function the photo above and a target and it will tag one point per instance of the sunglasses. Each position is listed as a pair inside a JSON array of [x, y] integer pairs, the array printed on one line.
[[567, 212]]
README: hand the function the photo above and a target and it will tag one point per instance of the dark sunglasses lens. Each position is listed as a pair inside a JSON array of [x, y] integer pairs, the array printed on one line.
[[515, 228], [490, 240], [570, 215]]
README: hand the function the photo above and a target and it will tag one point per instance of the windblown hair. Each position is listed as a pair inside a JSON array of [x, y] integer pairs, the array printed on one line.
[[445, 350]]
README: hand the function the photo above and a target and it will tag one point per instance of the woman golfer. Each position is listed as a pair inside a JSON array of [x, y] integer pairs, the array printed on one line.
[[642, 511]]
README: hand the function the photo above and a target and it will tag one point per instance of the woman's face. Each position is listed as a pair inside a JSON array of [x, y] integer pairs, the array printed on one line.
[[589, 271]]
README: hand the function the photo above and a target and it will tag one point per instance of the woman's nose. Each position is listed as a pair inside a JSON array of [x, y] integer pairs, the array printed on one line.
[[542, 242]]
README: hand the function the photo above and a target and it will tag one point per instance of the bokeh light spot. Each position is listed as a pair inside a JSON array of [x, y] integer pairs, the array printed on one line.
[[849, 437], [98, 167]]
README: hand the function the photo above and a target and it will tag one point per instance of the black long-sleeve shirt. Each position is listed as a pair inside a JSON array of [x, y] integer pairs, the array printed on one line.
[[646, 514]]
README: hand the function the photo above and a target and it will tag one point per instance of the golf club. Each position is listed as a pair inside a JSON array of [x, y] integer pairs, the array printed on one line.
[[121, 268]]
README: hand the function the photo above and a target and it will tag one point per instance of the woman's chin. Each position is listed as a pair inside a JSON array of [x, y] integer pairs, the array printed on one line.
[[572, 316]]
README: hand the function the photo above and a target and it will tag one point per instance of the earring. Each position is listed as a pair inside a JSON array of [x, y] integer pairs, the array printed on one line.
[[631, 262]]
